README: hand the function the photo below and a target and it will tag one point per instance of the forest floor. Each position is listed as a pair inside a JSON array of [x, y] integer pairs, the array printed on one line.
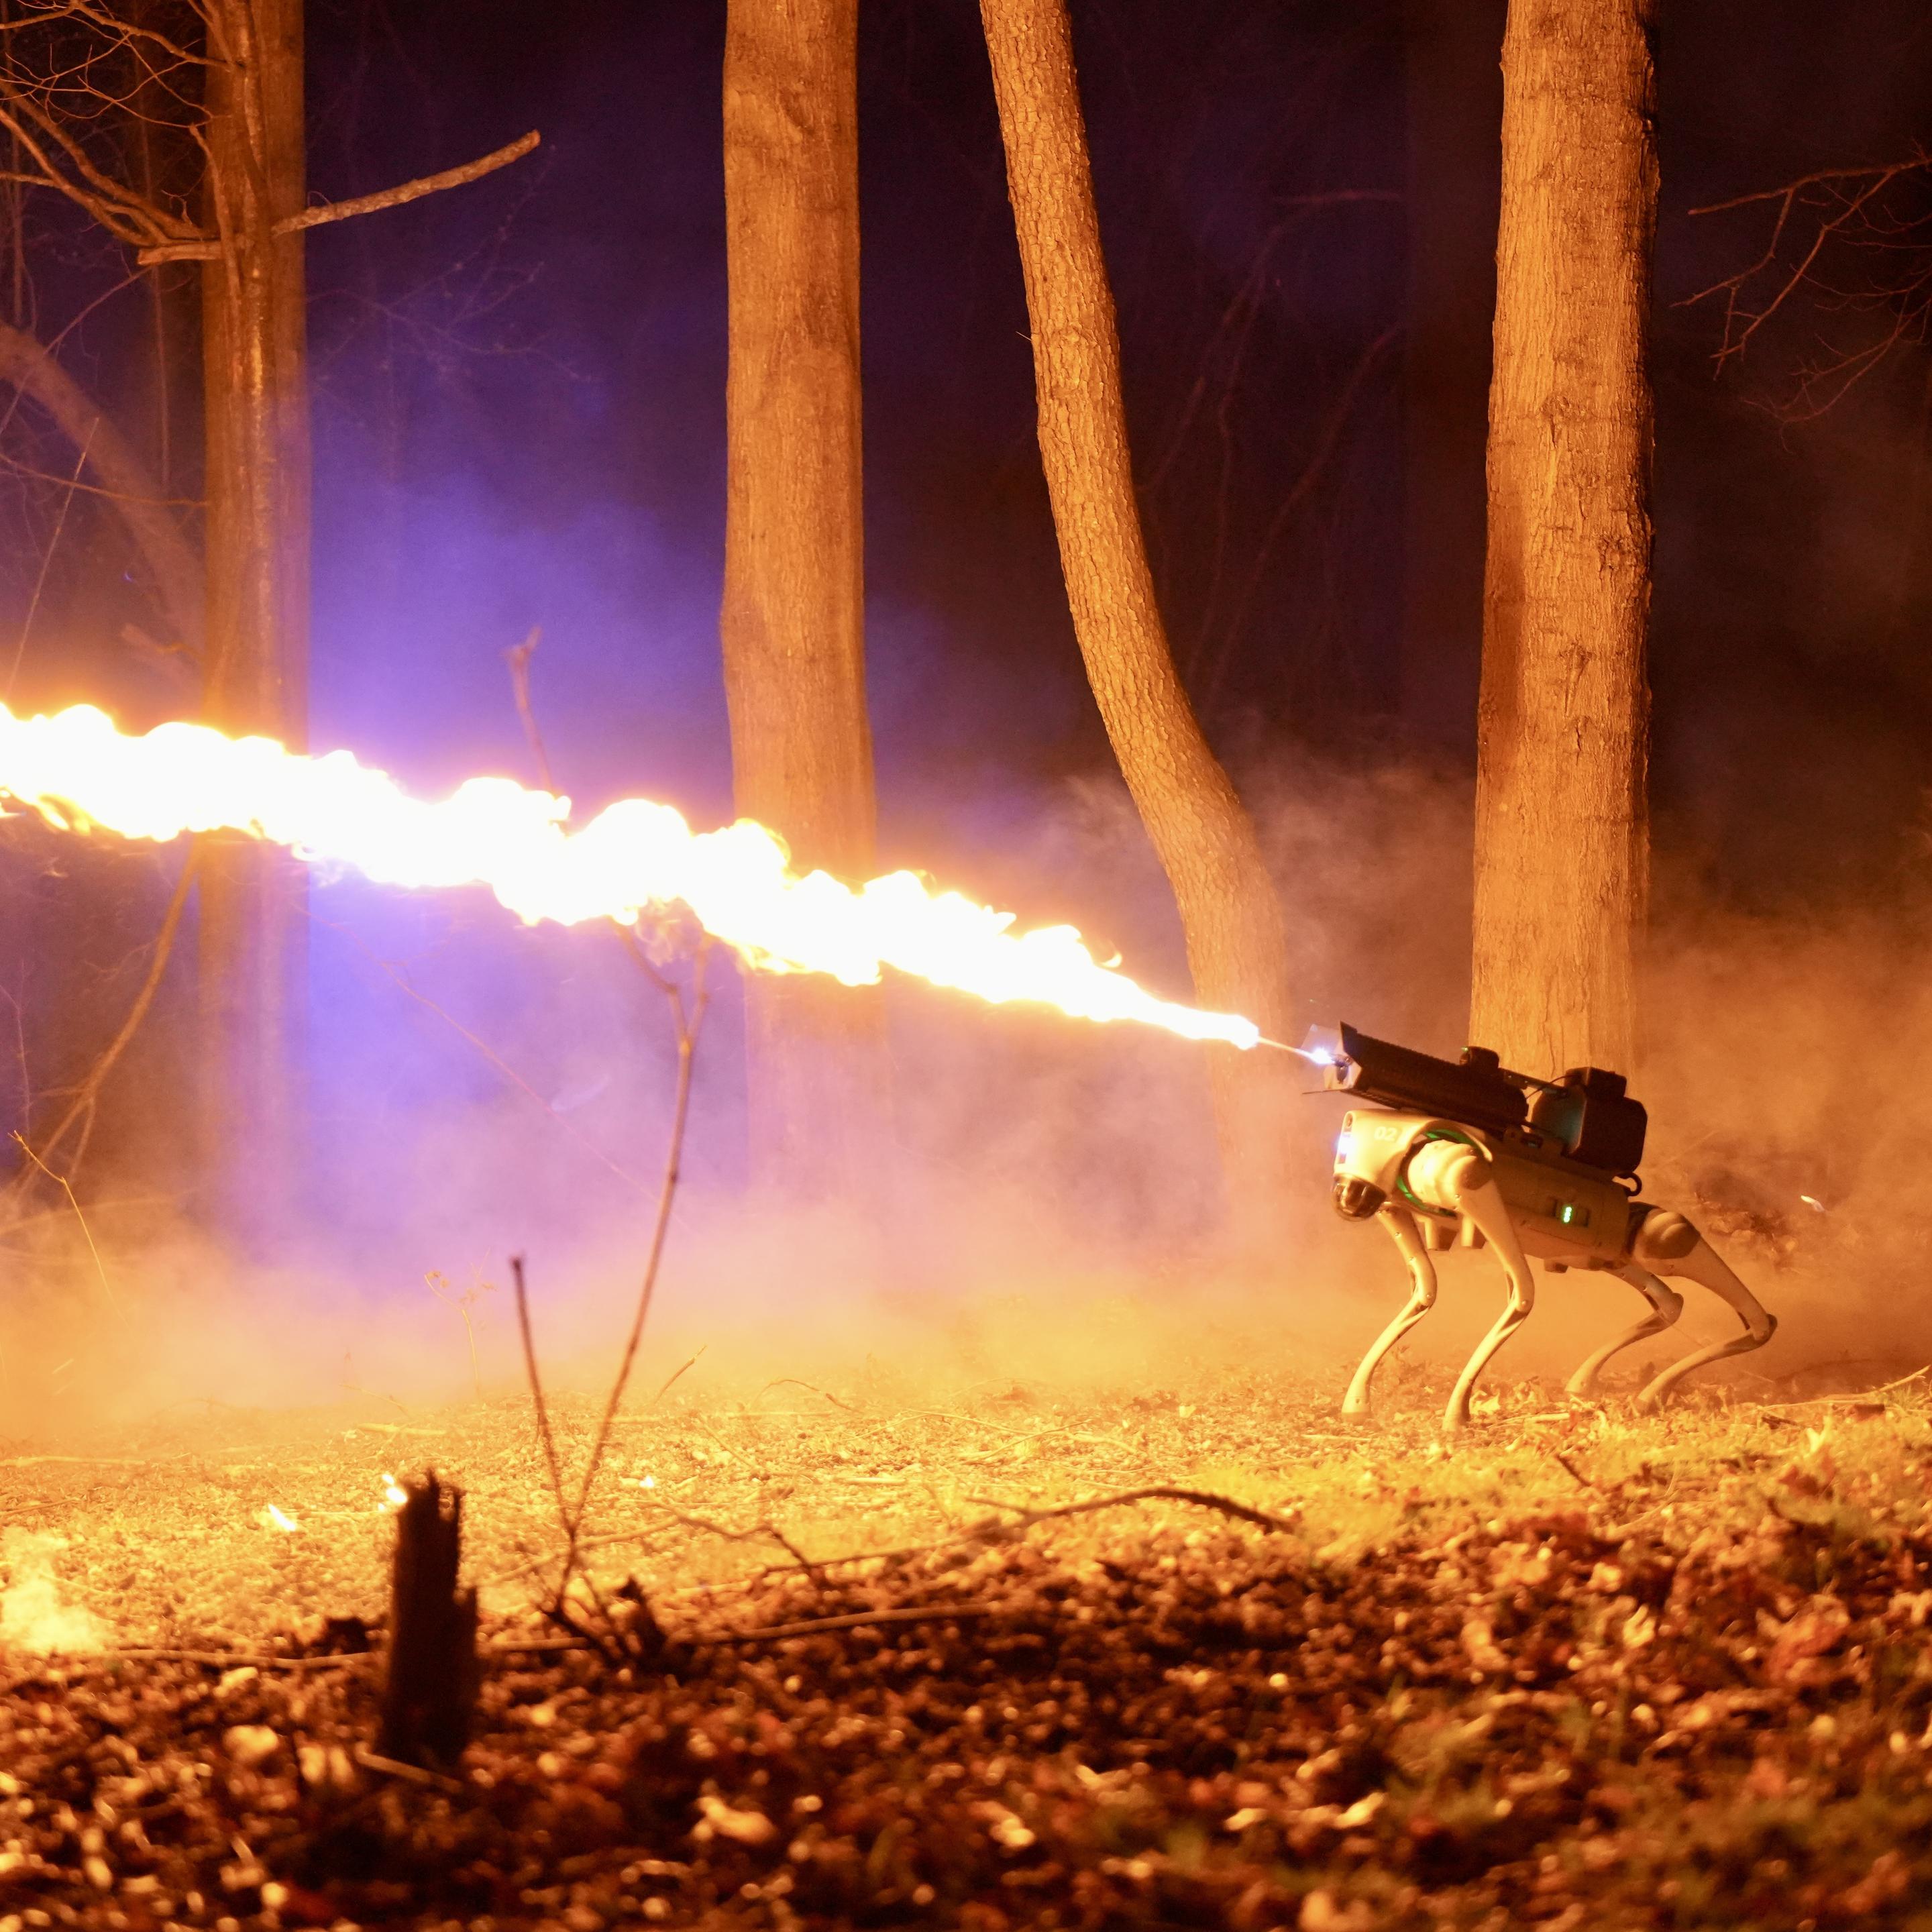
[[1579, 1668]]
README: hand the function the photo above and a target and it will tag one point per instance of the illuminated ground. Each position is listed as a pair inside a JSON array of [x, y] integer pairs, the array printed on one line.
[[1583, 1670]]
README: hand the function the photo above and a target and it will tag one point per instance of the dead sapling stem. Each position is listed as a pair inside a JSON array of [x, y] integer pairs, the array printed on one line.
[[429, 1688], [557, 1609], [688, 1015]]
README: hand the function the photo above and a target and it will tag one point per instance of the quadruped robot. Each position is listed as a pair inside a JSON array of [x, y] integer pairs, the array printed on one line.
[[1446, 1153]]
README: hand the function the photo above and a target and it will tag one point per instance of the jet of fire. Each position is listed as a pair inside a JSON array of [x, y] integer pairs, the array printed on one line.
[[80, 772]]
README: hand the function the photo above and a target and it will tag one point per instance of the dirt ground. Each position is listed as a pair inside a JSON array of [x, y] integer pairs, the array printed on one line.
[[1577, 1668]]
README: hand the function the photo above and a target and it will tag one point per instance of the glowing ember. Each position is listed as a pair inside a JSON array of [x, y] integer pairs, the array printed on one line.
[[81, 773]]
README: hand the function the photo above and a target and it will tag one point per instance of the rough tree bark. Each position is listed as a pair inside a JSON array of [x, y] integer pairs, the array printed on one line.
[[1561, 824], [792, 623], [1230, 914], [253, 934]]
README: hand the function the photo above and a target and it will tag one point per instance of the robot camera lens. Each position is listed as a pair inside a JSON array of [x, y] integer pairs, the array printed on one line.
[[1356, 1199]]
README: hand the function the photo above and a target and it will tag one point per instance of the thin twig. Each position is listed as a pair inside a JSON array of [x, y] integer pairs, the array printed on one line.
[[544, 1430], [410, 1774], [665, 1386], [1844, 206], [793, 1381], [919, 1613], [518, 659], [164, 941], [1885, 1388], [1199, 1498], [760, 1529], [46, 563], [687, 1025], [106, 1287], [1846, 1395], [235, 1660]]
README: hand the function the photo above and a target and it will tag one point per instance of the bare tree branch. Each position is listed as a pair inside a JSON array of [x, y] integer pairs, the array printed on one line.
[[204, 249], [1820, 218], [26, 365], [413, 190]]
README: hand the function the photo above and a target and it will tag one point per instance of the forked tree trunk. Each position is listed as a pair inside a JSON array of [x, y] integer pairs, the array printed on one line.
[[792, 624], [1229, 912], [1561, 822], [253, 934]]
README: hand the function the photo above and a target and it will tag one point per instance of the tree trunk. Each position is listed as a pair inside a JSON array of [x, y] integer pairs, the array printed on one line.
[[1561, 828], [1230, 914], [1451, 56], [792, 625], [253, 916]]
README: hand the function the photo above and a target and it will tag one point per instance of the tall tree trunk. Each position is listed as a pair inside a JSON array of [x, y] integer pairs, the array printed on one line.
[[1452, 51], [792, 623], [253, 933], [1561, 817], [1229, 912]]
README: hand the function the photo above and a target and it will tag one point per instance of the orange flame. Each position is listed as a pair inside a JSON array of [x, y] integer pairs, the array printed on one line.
[[80, 772]]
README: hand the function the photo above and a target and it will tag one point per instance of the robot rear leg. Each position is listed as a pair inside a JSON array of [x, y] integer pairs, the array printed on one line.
[[1666, 1306], [1673, 1245]]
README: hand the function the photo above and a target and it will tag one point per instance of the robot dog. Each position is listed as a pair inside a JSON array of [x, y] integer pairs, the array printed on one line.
[[1451, 1154]]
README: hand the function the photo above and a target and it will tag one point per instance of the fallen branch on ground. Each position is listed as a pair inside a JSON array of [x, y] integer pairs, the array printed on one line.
[[1200, 1498]]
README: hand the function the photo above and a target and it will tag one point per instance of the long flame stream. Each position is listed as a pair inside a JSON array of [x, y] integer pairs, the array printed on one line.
[[81, 772]]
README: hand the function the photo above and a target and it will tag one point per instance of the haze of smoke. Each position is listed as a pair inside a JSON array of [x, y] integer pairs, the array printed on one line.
[[1049, 1192]]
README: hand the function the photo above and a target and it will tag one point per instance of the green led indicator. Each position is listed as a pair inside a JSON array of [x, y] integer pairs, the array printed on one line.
[[1568, 1215]]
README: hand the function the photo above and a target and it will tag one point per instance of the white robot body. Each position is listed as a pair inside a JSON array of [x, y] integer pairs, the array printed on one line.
[[1570, 1216], [1512, 1184]]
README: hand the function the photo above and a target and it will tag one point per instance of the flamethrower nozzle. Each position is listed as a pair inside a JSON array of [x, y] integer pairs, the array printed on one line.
[[1314, 1059]]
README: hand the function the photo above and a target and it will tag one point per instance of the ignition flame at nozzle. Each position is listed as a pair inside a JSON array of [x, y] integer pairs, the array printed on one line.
[[80, 772]]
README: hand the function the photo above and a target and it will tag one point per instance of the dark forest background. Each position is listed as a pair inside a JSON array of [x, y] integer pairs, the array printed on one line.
[[519, 414]]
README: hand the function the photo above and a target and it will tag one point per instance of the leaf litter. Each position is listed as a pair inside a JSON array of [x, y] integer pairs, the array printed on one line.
[[1577, 1669]]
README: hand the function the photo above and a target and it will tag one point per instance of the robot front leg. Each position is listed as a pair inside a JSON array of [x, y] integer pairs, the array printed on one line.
[[1665, 1305], [1402, 1230], [1451, 1174], [1673, 1245]]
